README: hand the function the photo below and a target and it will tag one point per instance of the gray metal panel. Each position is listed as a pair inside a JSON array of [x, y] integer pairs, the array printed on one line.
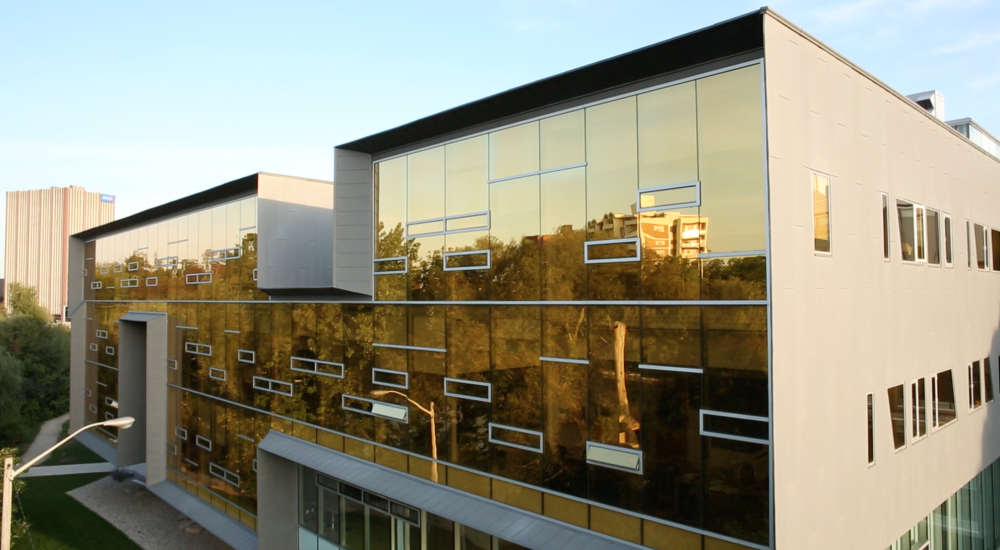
[[294, 232], [217, 523], [353, 219], [100, 447], [517, 526]]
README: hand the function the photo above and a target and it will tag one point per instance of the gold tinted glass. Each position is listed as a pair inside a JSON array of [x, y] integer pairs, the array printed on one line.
[[731, 159], [466, 173], [514, 151], [562, 140], [668, 136], [611, 169], [390, 177], [563, 217], [425, 184], [514, 232]]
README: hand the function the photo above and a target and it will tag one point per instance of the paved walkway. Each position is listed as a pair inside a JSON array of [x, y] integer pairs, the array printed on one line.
[[47, 437]]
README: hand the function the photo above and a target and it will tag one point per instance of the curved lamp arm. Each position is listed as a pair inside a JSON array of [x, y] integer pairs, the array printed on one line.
[[124, 423]]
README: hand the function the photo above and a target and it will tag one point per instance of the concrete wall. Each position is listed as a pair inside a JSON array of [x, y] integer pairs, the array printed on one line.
[[353, 218], [295, 232], [277, 502], [850, 324]]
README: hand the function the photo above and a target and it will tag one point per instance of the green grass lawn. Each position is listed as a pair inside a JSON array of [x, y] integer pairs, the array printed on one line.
[[58, 522], [71, 453]]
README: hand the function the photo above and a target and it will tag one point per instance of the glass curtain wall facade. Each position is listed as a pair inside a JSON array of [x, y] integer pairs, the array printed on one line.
[[968, 520], [579, 237], [581, 300]]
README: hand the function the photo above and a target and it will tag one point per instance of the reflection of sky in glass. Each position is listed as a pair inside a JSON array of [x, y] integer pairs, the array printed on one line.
[[514, 206]]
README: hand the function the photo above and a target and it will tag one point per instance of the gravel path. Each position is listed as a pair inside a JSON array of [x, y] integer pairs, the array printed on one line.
[[143, 517]]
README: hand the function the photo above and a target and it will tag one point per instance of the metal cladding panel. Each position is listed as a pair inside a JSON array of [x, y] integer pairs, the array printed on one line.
[[485, 515], [217, 523]]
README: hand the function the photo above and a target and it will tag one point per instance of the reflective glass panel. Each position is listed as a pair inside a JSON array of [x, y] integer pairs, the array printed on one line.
[[731, 159], [466, 175], [514, 151], [562, 140], [425, 184]]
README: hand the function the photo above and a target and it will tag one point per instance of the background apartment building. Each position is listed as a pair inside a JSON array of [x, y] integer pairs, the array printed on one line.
[[511, 325], [39, 223]]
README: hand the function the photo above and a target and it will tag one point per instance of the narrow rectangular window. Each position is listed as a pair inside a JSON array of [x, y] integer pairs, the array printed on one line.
[[949, 259], [152, 281], [933, 237], [519, 438], [612, 251], [918, 414], [246, 356], [975, 386], [968, 243], [821, 212], [920, 226], [133, 266], [468, 389], [217, 374], [117, 268], [273, 386], [885, 226], [391, 378], [315, 366], [93, 347], [198, 278], [871, 430], [130, 283], [988, 379], [203, 442], [979, 236], [995, 249], [181, 432], [906, 217], [897, 414], [96, 285], [198, 349]]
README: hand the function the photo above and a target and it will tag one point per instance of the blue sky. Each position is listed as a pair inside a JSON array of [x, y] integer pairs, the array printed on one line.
[[155, 101]]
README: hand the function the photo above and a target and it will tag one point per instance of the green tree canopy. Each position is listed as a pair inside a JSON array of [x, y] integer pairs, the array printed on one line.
[[22, 301]]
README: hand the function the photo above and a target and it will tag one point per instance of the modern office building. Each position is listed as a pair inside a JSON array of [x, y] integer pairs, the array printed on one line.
[[39, 223], [477, 339]]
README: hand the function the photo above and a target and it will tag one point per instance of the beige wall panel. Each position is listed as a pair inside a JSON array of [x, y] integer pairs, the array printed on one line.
[[39, 224], [851, 324]]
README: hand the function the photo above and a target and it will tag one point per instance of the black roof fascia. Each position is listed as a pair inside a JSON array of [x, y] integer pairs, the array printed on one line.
[[722, 40], [242, 187]]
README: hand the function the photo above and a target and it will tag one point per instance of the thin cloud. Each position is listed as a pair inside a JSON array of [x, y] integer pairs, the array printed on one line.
[[985, 82]]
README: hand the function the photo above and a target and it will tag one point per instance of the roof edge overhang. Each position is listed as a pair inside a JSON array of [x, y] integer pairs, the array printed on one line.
[[236, 189], [724, 40]]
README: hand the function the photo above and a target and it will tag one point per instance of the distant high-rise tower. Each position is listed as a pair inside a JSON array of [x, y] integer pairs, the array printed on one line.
[[39, 224]]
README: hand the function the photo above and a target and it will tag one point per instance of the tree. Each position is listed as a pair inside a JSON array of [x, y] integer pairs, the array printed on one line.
[[43, 351], [22, 301], [11, 397]]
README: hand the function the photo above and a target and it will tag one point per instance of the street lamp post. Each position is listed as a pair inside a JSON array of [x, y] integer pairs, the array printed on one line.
[[429, 412], [9, 473]]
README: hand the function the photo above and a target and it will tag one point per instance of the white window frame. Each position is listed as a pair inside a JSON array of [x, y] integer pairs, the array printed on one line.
[[204, 278], [887, 227], [198, 349], [919, 231], [180, 433], [829, 210], [133, 266], [948, 248], [207, 445], [94, 346], [915, 422], [214, 374], [130, 283], [117, 268], [246, 356], [96, 285], [272, 386], [110, 350], [156, 281]]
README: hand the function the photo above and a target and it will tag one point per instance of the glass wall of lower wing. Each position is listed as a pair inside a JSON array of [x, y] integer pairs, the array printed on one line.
[[558, 397], [970, 518]]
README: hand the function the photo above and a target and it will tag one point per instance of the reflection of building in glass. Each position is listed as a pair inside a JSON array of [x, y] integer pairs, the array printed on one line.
[[496, 335], [666, 233]]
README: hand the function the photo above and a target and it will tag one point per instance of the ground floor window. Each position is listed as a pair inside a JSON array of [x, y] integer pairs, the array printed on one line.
[[335, 515]]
